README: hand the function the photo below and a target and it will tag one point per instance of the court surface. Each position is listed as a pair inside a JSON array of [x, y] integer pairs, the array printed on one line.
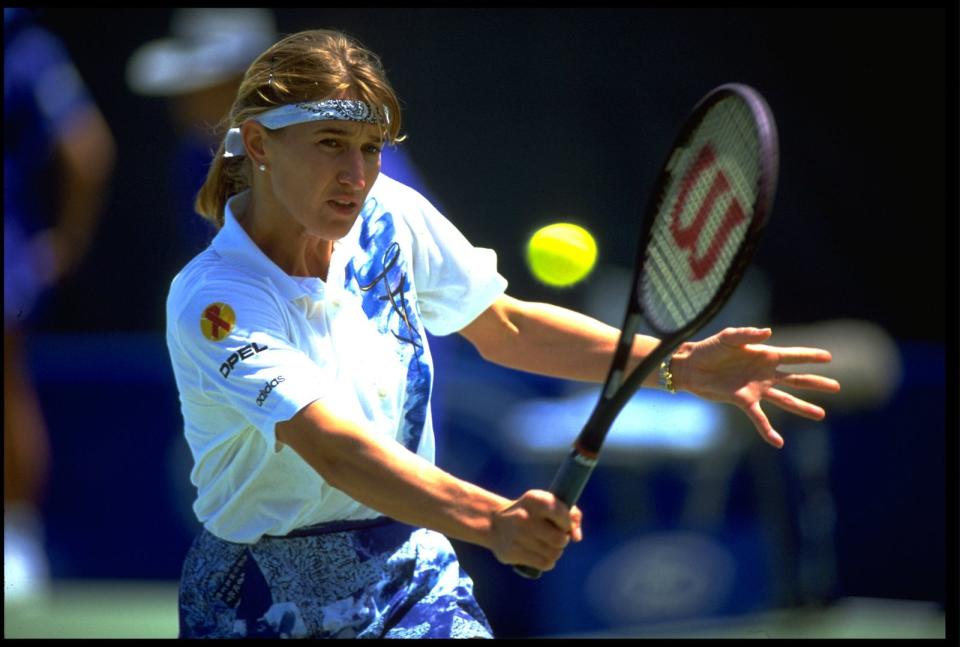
[[131, 609]]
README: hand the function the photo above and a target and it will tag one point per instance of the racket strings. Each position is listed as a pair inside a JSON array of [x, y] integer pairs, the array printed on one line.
[[703, 216]]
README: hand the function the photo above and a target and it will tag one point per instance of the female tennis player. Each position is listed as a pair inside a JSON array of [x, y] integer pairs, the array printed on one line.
[[299, 350]]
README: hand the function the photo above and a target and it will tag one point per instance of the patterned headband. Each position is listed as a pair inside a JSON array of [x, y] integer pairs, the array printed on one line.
[[298, 113]]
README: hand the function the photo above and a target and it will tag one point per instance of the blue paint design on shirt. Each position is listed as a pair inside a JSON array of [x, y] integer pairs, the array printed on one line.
[[379, 275]]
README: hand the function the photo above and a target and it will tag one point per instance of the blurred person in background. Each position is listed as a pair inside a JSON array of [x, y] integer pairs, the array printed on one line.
[[197, 70], [54, 136], [298, 344]]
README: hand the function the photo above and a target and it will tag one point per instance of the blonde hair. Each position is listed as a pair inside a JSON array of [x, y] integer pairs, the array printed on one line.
[[307, 66]]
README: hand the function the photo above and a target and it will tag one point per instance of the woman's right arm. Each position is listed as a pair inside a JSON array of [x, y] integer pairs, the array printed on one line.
[[382, 474]]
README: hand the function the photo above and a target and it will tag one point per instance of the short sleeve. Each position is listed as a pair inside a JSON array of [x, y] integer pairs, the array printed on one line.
[[455, 280], [232, 344]]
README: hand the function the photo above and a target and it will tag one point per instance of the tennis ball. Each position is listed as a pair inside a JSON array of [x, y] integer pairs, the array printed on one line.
[[561, 254]]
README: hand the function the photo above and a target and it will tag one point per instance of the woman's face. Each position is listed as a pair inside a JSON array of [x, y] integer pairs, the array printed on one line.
[[321, 172]]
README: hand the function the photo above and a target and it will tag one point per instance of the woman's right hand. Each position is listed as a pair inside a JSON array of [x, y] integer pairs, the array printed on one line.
[[534, 530]]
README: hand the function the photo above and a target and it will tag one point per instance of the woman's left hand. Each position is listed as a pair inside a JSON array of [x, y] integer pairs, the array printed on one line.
[[735, 367]]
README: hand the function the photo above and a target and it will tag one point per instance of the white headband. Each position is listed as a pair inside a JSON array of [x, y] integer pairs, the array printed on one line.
[[298, 113]]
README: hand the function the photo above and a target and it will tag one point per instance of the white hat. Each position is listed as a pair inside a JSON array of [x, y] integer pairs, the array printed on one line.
[[206, 47]]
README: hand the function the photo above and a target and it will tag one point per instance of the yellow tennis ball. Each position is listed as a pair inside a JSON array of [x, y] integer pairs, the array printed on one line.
[[561, 254]]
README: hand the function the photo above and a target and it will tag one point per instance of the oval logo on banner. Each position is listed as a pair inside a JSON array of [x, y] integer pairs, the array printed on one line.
[[217, 321]]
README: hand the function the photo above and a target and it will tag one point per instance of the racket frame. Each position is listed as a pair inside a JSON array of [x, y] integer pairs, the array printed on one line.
[[576, 468]]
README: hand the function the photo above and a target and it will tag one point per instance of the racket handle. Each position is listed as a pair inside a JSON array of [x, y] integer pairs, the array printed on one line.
[[567, 485]]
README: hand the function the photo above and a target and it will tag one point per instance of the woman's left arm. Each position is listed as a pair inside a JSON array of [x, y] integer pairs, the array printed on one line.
[[732, 366], [550, 340]]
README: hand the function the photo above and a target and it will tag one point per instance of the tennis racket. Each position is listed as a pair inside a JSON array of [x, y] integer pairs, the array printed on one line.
[[708, 208]]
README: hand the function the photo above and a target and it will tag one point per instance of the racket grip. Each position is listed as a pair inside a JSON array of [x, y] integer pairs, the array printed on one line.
[[567, 486]]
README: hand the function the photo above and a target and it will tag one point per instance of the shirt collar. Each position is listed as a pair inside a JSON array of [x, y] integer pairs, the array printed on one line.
[[234, 244]]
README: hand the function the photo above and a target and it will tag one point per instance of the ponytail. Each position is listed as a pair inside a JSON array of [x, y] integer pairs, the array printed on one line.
[[227, 176]]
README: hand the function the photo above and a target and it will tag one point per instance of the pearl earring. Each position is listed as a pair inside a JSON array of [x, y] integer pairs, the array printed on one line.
[[263, 167]]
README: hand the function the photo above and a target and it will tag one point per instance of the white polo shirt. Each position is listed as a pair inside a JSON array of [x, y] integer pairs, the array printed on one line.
[[251, 346]]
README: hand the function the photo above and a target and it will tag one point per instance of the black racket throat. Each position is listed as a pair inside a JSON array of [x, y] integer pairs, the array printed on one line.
[[620, 386], [617, 392]]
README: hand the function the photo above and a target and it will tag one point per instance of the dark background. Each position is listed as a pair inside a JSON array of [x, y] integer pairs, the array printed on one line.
[[518, 118]]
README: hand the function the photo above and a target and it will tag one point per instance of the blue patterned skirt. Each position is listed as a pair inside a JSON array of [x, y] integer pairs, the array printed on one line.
[[373, 579]]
